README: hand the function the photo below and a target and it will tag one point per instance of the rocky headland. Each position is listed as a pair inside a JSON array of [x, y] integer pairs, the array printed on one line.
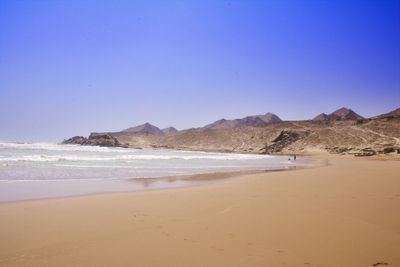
[[95, 140]]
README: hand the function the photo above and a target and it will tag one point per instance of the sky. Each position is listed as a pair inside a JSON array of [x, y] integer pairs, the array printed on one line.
[[79, 66]]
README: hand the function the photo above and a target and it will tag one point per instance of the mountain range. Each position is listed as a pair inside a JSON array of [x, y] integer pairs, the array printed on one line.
[[342, 131], [238, 123], [255, 120]]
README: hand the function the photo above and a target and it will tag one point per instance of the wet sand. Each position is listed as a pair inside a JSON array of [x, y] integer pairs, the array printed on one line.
[[343, 214], [46, 189]]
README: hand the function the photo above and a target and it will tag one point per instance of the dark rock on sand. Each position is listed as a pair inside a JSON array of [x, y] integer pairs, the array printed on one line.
[[366, 152], [387, 150]]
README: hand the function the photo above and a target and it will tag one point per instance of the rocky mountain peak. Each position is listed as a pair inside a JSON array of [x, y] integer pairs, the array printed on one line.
[[243, 122], [169, 130], [144, 128], [340, 114]]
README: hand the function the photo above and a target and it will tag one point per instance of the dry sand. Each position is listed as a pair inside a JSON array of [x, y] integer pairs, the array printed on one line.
[[344, 214]]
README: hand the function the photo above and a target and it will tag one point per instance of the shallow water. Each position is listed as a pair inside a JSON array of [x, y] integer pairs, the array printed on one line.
[[41, 170]]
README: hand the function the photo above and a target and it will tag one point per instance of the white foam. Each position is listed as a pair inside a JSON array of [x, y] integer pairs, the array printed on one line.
[[36, 161], [132, 157], [62, 147]]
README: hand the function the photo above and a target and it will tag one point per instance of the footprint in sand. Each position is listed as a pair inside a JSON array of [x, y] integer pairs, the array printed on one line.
[[380, 263]]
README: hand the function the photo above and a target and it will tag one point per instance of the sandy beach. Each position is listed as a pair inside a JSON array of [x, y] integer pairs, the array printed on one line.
[[345, 213]]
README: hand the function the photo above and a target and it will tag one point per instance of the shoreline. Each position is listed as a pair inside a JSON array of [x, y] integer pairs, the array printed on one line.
[[181, 181], [344, 214], [86, 176]]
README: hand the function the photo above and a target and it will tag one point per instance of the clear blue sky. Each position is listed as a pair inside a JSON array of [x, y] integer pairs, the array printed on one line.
[[71, 67]]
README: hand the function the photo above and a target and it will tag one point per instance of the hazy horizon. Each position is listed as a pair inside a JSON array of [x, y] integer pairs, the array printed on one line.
[[72, 67]]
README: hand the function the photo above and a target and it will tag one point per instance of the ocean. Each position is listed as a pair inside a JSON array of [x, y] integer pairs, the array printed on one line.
[[42, 170]]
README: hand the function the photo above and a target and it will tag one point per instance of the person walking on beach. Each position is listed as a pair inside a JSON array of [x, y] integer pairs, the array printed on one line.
[[294, 157]]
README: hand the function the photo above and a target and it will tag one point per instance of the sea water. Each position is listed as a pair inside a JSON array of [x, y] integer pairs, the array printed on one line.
[[40, 170]]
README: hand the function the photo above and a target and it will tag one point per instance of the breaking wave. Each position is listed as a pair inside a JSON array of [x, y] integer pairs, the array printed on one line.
[[46, 161]]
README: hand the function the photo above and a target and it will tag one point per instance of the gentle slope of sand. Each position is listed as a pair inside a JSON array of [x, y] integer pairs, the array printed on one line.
[[344, 214]]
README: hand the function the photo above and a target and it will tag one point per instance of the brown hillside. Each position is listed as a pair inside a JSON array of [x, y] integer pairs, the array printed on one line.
[[394, 113], [348, 136], [380, 134]]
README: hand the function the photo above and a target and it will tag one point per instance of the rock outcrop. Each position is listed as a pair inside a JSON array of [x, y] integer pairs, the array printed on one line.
[[77, 140], [283, 140], [95, 140]]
